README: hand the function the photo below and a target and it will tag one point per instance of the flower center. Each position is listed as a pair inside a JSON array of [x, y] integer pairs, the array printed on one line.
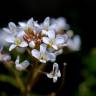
[[52, 41], [17, 41]]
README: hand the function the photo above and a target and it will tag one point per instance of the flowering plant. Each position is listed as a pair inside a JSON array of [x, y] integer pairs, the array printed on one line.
[[35, 44]]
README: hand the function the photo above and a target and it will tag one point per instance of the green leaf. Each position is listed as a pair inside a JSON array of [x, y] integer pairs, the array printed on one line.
[[8, 79]]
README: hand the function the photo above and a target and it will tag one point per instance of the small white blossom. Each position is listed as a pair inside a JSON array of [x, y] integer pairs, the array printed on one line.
[[74, 43], [54, 40], [45, 25], [43, 55], [55, 73], [27, 24], [12, 30], [58, 24], [4, 57], [30, 24], [21, 66], [16, 42]]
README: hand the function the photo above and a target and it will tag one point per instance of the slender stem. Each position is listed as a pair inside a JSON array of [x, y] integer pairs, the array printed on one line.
[[63, 78], [16, 75], [34, 73], [35, 76]]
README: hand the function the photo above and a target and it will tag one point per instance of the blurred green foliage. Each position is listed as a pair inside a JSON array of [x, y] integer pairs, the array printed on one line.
[[88, 86]]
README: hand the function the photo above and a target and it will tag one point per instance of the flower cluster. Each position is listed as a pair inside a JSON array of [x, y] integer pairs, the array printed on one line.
[[44, 40]]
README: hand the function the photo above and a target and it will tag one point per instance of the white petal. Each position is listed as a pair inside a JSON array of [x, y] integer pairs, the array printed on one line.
[[23, 44], [49, 75], [46, 22], [25, 64], [12, 26], [10, 39], [22, 65], [19, 67], [59, 40], [46, 40], [43, 61], [20, 34], [74, 44], [53, 27], [59, 74], [44, 32], [70, 44], [66, 37], [61, 23], [55, 47], [35, 53], [77, 42], [42, 48], [30, 22], [12, 47], [32, 44], [51, 57], [55, 67], [54, 79], [6, 57], [22, 24], [7, 30], [37, 27], [17, 60], [51, 34]]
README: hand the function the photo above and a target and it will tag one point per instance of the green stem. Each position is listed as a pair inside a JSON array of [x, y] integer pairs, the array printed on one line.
[[16, 75], [63, 78]]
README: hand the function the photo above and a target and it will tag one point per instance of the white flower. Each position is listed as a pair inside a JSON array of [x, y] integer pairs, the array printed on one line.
[[12, 28], [53, 40], [61, 23], [16, 42], [27, 24], [58, 24], [74, 43], [3, 35], [5, 57], [43, 55], [30, 24], [45, 25], [21, 66], [55, 73]]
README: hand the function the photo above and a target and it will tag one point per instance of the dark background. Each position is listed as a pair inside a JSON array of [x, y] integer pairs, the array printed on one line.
[[81, 17]]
